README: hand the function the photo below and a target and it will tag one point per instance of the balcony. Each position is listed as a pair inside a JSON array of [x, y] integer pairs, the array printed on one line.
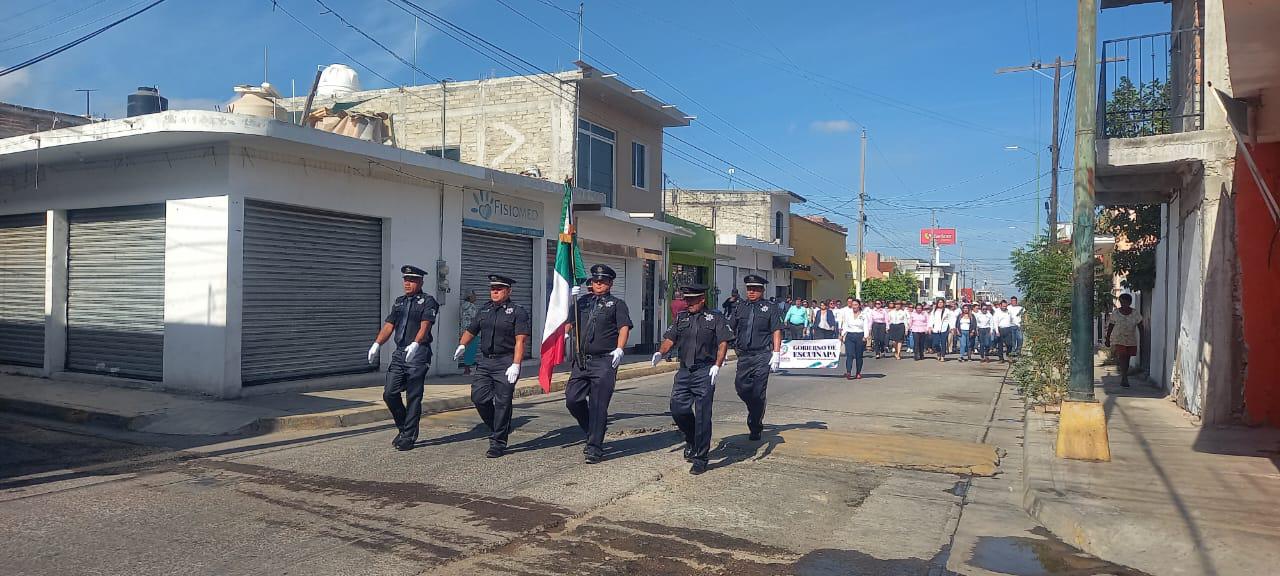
[[1152, 84]]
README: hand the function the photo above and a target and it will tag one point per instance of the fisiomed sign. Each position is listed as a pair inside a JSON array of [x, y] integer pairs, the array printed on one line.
[[503, 213]]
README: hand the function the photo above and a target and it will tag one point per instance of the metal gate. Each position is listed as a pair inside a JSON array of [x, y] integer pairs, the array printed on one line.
[[115, 291], [22, 267], [485, 253], [619, 266], [312, 292]]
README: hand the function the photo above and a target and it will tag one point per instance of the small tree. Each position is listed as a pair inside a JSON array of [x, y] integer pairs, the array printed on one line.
[[1139, 228], [1138, 110], [898, 285], [1042, 271]]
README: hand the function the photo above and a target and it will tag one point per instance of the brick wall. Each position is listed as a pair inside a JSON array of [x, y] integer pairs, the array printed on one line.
[[509, 124], [19, 120], [745, 213]]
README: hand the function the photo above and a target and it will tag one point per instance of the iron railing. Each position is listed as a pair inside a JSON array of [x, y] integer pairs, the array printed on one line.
[[1151, 84]]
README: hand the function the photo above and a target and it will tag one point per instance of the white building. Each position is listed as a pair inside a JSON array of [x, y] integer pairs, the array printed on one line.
[[205, 252]]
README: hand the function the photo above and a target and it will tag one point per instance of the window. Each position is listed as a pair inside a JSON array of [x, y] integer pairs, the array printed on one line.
[[778, 223], [639, 165], [595, 159], [450, 152]]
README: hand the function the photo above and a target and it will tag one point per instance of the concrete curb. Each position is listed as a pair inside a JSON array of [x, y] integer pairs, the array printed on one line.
[[343, 418], [1087, 525]]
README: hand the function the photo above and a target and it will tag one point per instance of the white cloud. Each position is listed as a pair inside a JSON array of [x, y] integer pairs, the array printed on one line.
[[832, 126], [12, 85]]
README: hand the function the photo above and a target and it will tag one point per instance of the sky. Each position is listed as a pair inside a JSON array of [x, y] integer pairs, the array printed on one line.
[[780, 90]]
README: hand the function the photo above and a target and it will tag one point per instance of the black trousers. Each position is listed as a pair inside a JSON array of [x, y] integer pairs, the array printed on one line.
[[587, 395], [406, 378], [795, 331], [1004, 343], [855, 344], [752, 382], [491, 394], [691, 398], [879, 338]]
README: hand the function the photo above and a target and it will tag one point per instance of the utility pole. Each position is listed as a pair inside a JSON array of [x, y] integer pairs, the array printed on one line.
[[862, 215], [1053, 148], [933, 245], [444, 108], [87, 91], [415, 52], [1080, 387]]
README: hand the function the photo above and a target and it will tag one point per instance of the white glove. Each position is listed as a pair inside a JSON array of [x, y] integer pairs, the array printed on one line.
[[715, 370], [409, 351], [617, 356], [774, 360], [373, 352], [657, 357], [457, 354], [513, 373], [576, 291]]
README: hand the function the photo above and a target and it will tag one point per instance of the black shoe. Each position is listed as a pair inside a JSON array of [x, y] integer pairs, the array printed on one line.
[[1124, 384], [592, 459], [404, 444], [698, 468], [584, 448], [754, 437], [493, 452], [688, 453], [396, 441]]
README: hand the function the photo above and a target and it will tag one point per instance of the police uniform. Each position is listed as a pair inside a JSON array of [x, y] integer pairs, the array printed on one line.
[[753, 325], [407, 375], [696, 338], [496, 325], [590, 386]]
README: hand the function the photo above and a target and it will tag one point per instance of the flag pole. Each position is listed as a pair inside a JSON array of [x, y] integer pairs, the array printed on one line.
[[572, 239]]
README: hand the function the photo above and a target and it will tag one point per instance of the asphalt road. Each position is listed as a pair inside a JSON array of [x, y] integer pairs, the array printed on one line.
[[804, 500]]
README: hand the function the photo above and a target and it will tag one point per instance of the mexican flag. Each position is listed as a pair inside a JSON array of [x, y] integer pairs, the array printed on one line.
[[567, 273]]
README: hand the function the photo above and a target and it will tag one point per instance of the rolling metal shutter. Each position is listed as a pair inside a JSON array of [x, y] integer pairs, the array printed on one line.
[[485, 253], [619, 266], [115, 291], [22, 247], [312, 292]]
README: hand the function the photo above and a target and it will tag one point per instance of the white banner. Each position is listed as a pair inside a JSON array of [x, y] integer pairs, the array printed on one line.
[[810, 353]]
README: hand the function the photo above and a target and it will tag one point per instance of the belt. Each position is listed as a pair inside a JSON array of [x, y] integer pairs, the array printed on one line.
[[755, 351], [497, 355]]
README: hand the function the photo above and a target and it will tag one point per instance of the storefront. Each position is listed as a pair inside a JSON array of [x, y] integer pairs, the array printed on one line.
[[692, 260]]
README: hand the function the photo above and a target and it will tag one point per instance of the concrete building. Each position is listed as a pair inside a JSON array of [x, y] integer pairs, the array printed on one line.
[[820, 258], [873, 266], [206, 252], [529, 125], [1213, 313], [752, 233], [936, 279]]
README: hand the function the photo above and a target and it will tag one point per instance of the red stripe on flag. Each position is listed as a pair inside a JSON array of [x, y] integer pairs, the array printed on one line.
[[552, 355]]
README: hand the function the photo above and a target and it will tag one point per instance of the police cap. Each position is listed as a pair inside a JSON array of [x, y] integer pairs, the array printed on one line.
[[500, 280], [693, 290], [414, 272], [754, 280], [602, 272]]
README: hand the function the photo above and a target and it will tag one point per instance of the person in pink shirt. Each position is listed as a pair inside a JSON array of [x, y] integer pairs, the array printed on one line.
[[919, 331], [879, 328]]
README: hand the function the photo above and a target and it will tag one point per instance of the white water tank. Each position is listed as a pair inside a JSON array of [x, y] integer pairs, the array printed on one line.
[[336, 81]]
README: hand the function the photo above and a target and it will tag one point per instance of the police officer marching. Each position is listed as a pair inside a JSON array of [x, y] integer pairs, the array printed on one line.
[[605, 324], [409, 324], [757, 326], [701, 338], [503, 329]]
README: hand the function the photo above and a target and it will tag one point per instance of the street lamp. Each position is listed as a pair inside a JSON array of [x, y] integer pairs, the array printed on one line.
[[1037, 157]]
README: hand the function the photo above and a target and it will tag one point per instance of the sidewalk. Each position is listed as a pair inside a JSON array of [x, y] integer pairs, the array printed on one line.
[[159, 412], [1175, 499]]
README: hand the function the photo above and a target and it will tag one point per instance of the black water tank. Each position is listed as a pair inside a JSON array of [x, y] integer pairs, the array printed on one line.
[[147, 100]]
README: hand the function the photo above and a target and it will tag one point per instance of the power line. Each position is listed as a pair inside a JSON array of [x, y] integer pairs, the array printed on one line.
[[52, 21], [63, 48], [376, 42]]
